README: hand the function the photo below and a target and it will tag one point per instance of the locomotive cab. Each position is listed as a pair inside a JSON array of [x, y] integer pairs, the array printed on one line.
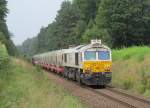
[[97, 64]]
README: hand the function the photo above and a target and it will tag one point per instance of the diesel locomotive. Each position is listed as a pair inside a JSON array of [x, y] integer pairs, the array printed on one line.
[[88, 64]]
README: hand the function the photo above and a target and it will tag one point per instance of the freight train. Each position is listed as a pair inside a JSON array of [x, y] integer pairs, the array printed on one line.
[[88, 64]]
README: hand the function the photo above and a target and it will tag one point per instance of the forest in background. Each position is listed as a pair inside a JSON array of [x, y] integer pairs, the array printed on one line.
[[118, 23], [5, 35]]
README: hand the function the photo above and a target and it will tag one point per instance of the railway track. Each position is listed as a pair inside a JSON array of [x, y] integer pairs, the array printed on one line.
[[122, 98], [141, 99], [119, 97]]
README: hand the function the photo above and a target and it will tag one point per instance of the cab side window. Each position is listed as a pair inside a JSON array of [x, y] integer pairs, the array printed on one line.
[[65, 56], [76, 59]]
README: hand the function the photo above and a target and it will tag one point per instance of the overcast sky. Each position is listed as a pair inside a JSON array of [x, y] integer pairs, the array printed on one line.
[[26, 17]]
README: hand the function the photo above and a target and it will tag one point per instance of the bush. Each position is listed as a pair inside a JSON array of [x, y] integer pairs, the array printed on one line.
[[127, 84], [141, 88], [3, 55], [147, 93]]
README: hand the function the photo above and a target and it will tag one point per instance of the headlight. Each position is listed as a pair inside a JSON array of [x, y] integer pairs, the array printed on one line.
[[87, 70], [107, 68]]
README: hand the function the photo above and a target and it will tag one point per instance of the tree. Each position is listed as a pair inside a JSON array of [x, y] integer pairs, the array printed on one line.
[[119, 23], [28, 48], [2, 38], [4, 33], [3, 9], [126, 21], [66, 21], [88, 8]]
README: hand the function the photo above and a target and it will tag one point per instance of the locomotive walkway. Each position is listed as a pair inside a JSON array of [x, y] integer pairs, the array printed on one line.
[[101, 98]]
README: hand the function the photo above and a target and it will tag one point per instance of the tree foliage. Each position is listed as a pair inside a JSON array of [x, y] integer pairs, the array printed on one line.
[[3, 9], [4, 33], [126, 21], [88, 8], [119, 23], [27, 47]]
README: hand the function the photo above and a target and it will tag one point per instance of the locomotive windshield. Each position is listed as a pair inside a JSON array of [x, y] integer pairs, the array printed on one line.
[[90, 55], [103, 55]]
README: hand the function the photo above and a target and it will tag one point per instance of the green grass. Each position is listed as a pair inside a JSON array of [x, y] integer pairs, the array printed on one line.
[[137, 53], [24, 86], [131, 69]]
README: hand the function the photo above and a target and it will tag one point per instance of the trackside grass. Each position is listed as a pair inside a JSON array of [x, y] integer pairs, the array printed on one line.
[[25, 86], [131, 69]]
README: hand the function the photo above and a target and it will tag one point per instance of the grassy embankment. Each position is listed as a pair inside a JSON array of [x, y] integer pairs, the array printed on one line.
[[131, 69], [24, 86]]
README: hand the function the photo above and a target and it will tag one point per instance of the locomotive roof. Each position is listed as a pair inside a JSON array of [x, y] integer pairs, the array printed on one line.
[[73, 49]]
